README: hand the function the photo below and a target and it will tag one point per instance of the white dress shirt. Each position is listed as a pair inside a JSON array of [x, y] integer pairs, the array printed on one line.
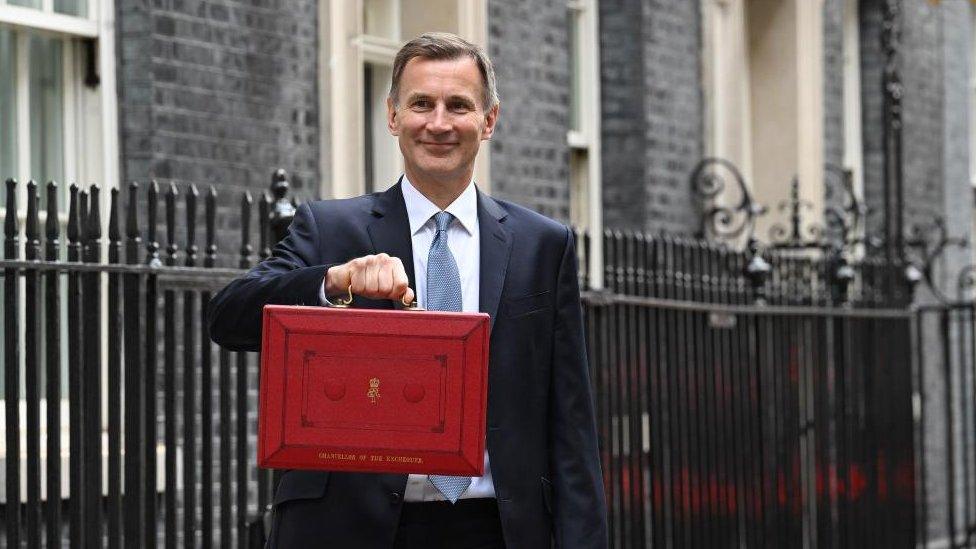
[[463, 239]]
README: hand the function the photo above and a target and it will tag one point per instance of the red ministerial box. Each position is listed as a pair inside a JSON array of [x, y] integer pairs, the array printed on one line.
[[373, 390]]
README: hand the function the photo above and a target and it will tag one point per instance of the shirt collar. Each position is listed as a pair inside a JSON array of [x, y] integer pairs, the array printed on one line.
[[420, 209]]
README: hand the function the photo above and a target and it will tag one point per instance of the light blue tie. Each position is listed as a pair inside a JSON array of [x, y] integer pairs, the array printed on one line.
[[444, 294]]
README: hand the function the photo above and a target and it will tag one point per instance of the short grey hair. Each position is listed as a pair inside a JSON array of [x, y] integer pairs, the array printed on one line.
[[445, 46]]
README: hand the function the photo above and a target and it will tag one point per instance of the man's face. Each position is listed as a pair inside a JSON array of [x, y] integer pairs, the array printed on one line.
[[441, 120]]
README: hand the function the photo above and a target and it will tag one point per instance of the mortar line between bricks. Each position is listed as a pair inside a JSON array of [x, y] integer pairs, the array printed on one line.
[[210, 140], [240, 4], [211, 92], [208, 162], [210, 117], [209, 68], [212, 45], [228, 24]]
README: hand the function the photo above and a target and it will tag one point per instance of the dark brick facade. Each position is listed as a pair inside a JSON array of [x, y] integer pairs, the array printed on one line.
[[833, 91], [219, 92], [622, 108], [652, 138], [922, 70], [528, 43]]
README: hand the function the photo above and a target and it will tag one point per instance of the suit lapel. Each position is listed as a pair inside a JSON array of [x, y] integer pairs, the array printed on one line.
[[496, 246], [390, 229]]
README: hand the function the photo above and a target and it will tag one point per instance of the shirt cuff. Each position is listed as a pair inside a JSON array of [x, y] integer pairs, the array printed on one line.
[[322, 299]]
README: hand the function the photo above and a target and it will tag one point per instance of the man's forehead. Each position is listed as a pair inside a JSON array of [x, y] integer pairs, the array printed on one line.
[[461, 75]]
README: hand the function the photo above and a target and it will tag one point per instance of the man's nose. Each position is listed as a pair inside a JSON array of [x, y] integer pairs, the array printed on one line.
[[439, 120]]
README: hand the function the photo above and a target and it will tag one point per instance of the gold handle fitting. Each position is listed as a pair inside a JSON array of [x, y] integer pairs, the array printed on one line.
[[345, 302]]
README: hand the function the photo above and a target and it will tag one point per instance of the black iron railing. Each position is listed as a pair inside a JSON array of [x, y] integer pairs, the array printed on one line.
[[744, 426], [126, 486], [722, 422]]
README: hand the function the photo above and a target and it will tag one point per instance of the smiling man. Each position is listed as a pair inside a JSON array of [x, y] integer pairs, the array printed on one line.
[[436, 237]]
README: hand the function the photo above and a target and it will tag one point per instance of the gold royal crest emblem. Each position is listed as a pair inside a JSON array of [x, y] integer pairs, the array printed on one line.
[[374, 390]]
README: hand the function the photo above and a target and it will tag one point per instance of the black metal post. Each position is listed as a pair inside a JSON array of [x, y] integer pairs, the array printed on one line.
[[893, 94], [52, 350]]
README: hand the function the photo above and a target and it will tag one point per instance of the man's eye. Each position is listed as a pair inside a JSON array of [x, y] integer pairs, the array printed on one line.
[[460, 107], [422, 104]]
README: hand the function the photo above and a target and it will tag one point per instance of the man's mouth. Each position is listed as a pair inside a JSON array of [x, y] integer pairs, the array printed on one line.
[[436, 145]]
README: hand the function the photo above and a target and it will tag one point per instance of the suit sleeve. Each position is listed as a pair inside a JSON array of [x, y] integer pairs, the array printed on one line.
[[291, 276], [580, 512]]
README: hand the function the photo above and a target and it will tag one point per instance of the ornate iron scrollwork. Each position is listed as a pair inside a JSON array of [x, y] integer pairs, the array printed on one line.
[[843, 221], [966, 282], [924, 244], [720, 221], [793, 238]]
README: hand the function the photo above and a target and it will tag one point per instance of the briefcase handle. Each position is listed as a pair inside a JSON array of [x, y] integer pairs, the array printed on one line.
[[346, 302]]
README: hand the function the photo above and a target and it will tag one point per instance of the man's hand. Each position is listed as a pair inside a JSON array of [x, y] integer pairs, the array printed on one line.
[[373, 276]]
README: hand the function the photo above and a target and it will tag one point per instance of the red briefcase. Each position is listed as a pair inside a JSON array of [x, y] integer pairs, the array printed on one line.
[[373, 391]]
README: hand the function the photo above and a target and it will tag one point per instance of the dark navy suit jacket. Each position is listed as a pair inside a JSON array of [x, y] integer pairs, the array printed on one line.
[[541, 430]]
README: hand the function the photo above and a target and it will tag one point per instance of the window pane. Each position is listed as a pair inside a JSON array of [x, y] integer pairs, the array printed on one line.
[[72, 7], [46, 109], [381, 149], [579, 192], [26, 3], [8, 105], [379, 18]]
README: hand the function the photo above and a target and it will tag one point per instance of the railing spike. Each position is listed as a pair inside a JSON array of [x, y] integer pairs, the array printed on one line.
[[133, 242], [210, 258], [94, 229], [171, 246], [32, 230], [10, 221], [152, 204], [264, 225], [83, 217], [74, 223], [246, 202], [283, 210], [114, 233], [191, 225], [52, 225], [94, 212], [132, 212]]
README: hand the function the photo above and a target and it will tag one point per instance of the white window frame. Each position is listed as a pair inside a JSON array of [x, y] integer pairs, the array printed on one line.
[[345, 50], [853, 135], [972, 116], [972, 98], [586, 140], [79, 135], [853, 159]]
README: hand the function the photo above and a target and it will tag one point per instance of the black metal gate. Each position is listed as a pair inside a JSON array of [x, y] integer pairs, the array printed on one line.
[[741, 426]]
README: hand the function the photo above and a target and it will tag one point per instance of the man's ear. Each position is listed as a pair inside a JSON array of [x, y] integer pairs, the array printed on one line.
[[391, 121], [490, 118]]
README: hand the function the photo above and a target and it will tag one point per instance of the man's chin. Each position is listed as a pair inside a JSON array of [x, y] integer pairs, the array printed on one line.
[[444, 170]]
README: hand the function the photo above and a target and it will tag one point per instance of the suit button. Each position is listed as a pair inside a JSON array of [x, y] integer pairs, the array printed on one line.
[[395, 497]]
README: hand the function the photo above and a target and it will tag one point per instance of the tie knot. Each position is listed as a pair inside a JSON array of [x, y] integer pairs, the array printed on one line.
[[442, 220]]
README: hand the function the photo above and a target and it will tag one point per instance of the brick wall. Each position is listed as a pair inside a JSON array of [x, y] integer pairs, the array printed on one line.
[[921, 71], [651, 113], [528, 44], [833, 93], [219, 92]]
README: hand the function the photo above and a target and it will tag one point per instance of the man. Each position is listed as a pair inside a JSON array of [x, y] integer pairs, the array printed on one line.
[[461, 250]]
